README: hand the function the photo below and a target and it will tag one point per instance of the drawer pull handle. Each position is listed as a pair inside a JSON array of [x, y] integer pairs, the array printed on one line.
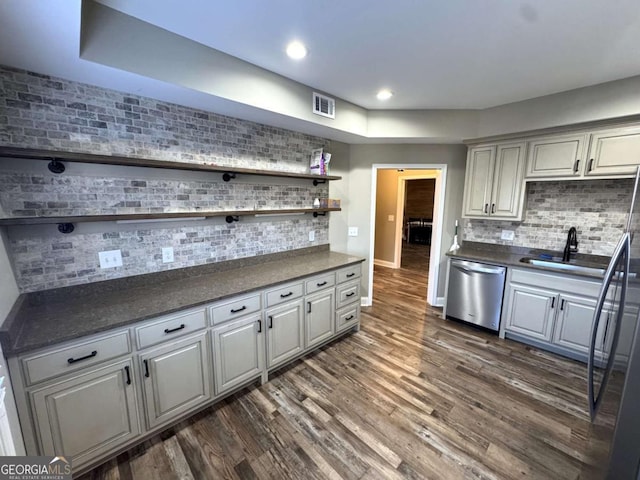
[[590, 165], [486, 208], [270, 321], [349, 275], [321, 284], [350, 294], [350, 317], [86, 357], [308, 307], [575, 169], [562, 304], [171, 330], [244, 307], [493, 208], [146, 368], [285, 295], [553, 301], [259, 326], [126, 370]]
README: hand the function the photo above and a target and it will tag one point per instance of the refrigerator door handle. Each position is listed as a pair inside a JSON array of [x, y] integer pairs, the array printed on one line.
[[622, 250]]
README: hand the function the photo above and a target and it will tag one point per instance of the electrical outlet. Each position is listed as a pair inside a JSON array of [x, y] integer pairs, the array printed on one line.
[[507, 235], [353, 231], [312, 235], [167, 254], [391, 218], [110, 258]]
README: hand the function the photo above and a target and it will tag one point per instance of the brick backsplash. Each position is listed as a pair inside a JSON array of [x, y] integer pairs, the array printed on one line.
[[597, 208], [39, 111]]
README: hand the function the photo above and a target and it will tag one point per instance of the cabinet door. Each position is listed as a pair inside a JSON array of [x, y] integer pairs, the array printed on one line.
[[508, 183], [175, 378], [285, 332], [556, 156], [88, 415], [477, 181], [575, 319], [319, 315], [530, 311], [238, 350], [614, 152]]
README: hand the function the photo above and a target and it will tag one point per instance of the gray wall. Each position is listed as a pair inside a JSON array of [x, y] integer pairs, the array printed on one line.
[[597, 208], [8, 287], [359, 211], [44, 112]]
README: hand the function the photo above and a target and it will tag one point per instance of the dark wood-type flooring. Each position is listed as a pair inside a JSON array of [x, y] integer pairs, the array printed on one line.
[[409, 396]]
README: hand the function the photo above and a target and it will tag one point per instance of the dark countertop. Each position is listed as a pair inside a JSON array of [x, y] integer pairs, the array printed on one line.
[[510, 256], [45, 318]]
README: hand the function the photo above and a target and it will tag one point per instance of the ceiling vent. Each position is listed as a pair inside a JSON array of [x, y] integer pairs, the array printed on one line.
[[324, 106]]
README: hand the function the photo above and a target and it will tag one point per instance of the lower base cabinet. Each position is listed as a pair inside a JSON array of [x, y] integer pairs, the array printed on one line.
[[175, 378], [87, 415], [530, 311], [285, 332], [319, 317], [238, 352]]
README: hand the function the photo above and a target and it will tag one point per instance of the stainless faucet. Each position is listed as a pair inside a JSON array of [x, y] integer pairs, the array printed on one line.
[[571, 246]]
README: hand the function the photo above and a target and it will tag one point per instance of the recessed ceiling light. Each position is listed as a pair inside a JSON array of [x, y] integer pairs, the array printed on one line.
[[296, 50], [384, 94]]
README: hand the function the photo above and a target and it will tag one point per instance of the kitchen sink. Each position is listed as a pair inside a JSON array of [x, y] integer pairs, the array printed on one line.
[[556, 262]]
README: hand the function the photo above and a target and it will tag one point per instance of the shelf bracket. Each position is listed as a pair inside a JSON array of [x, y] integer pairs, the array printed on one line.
[[232, 218], [319, 214], [317, 182], [226, 176], [66, 228], [56, 166]]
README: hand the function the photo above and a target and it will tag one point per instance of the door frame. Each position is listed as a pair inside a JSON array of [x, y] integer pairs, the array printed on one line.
[[438, 221]]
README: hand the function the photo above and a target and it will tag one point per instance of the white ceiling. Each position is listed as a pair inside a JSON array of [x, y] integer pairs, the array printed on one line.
[[431, 53], [434, 54]]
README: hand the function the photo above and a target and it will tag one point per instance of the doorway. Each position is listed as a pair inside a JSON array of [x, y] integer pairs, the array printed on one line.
[[393, 182]]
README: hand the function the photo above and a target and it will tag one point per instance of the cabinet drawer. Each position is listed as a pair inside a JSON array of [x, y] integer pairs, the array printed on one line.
[[349, 273], [284, 294], [347, 317], [320, 282], [80, 355], [347, 294], [557, 281], [235, 308], [170, 326]]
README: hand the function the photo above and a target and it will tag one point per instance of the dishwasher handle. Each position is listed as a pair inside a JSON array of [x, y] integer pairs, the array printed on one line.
[[472, 267]]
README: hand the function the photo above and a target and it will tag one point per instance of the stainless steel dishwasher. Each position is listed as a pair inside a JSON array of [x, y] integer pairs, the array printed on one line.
[[475, 293]]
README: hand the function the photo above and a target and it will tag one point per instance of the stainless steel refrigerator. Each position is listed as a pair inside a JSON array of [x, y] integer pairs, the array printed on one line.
[[614, 375]]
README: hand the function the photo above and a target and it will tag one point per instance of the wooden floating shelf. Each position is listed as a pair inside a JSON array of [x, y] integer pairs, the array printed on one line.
[[132, 217], [56, 156]]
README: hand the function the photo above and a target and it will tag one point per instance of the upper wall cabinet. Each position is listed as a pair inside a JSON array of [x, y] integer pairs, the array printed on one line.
[[494, 186], [598, 153], [556, 156]]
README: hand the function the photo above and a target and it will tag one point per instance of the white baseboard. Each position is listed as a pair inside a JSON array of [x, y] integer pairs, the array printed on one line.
[[365, 302], [384, 263], [439, 302]]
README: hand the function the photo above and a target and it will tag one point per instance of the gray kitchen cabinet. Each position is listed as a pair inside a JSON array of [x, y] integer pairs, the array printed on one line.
[[285, 332], [530, 311], [238, 352], [574, 321], [88, 415], [494, 185], [319, 317], [556, 156], [614, 151], [175, 378]]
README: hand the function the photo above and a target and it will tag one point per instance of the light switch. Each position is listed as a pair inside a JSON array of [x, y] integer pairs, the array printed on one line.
[[312, 235], [167, 255], [353, 231], [507, 235], [391, 218], [110, 258]]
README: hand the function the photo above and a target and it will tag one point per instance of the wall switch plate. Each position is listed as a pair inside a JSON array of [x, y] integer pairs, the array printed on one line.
[[507, 235], [353, 231], [312, 235], [391, 218], [167, 254], [110, 258]]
